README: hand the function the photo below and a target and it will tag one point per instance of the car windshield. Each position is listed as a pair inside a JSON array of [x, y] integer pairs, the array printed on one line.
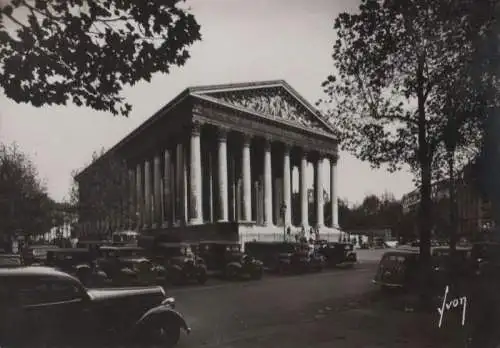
[[232, 248]]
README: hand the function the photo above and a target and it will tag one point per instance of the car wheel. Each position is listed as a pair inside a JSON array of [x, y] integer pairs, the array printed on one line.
[[166, 336], [231, 273], [202, 277], [257, 274]]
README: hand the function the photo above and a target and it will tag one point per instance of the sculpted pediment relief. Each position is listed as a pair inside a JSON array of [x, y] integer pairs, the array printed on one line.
[[273, 102]]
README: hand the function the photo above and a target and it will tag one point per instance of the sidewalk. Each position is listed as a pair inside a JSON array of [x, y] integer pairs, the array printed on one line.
[[364, 324]]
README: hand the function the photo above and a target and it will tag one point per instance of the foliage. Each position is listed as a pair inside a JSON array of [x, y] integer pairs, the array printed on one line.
[[374, 212], [103, 190], [393, 59], [87, 51], [25, 207]]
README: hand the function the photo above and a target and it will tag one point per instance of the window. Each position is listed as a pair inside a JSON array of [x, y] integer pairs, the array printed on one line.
[[44, 291]]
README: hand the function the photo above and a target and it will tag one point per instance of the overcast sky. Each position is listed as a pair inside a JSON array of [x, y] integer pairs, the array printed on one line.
[[242, 41]]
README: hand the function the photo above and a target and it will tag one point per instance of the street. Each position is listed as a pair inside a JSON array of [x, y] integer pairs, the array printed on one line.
[[229, 313]]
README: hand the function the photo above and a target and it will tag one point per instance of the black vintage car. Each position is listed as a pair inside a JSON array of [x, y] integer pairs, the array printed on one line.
[[36, 254], [40, 306], [80, 263], [10, 260], [226, 257], [180, 263], [286, 257], [399, 268], [337, 254], [129, 265]]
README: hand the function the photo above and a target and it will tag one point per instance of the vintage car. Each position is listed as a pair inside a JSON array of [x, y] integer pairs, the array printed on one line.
[[226, 257], [484, 252], [10, 260], [337, 254], [129, 265], [36, 254], [80, 263], [125, 238], [41, 306], [397, 269], [180, 263], [286, 257]]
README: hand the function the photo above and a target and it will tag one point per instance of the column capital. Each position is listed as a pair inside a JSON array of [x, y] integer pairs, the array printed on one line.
[[222, 133], [267, 143], [287, 148], [333, 158], [247, 138], [196, 127]]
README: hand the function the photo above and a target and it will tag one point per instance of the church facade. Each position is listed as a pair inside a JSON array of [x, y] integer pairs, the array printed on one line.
[[215, 162]]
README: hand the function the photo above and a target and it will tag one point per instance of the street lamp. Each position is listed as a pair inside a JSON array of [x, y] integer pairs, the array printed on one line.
[[283, 211]]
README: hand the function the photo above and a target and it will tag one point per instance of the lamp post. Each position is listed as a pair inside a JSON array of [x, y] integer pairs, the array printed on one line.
[[283, 211]]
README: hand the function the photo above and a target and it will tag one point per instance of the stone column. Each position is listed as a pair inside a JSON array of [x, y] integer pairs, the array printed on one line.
[[157, 192], [287, 195], [320, 201], [167, 192], [147, 194], [304, 202], [333, 192], [132, 205], [223, 182], [180, 184], [139, 213], [268, 183], [196, 216], [247, 179]]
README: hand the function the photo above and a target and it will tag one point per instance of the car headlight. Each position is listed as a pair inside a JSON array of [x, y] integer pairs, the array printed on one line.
[[169, 301]]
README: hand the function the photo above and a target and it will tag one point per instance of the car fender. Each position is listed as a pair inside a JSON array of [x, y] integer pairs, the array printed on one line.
[[163, 313], [177, 268], [128, 271], [82, 267], [234, 264], [201, 267]]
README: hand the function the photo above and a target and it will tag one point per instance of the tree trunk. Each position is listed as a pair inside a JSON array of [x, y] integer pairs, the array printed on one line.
[[453, 202], [425, 216]]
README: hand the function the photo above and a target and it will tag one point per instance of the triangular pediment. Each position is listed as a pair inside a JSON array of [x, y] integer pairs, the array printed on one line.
[[274, 99]]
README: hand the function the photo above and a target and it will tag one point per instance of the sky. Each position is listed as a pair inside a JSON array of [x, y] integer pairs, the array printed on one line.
[[242, 41]]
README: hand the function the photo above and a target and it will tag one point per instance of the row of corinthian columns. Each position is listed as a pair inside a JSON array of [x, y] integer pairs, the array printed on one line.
[[155, 196]]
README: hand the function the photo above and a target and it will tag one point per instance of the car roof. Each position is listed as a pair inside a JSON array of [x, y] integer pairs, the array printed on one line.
[[71, 250], [34, 271], [119, 247], [218, 242]]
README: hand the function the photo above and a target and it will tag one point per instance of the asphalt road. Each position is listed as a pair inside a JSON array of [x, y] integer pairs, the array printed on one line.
[[225, 313]]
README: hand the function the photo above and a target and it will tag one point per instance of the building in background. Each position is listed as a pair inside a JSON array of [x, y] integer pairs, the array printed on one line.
[[474, 211], [216, 162]]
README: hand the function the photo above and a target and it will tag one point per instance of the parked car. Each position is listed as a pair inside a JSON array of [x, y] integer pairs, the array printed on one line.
[[10, 260], [41, 306], [78, 262], [125, 238], [180, 263], [36, 254], [129, 265], [483, 253], [337, 254], [399, 268], [286, 257], [226, 257]]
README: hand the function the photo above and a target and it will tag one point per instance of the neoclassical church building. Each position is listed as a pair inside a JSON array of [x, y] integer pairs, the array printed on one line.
[[216, 163]]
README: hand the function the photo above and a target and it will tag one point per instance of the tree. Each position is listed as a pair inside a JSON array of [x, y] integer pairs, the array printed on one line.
[[25, 207], [87, 51], [390, 59]]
